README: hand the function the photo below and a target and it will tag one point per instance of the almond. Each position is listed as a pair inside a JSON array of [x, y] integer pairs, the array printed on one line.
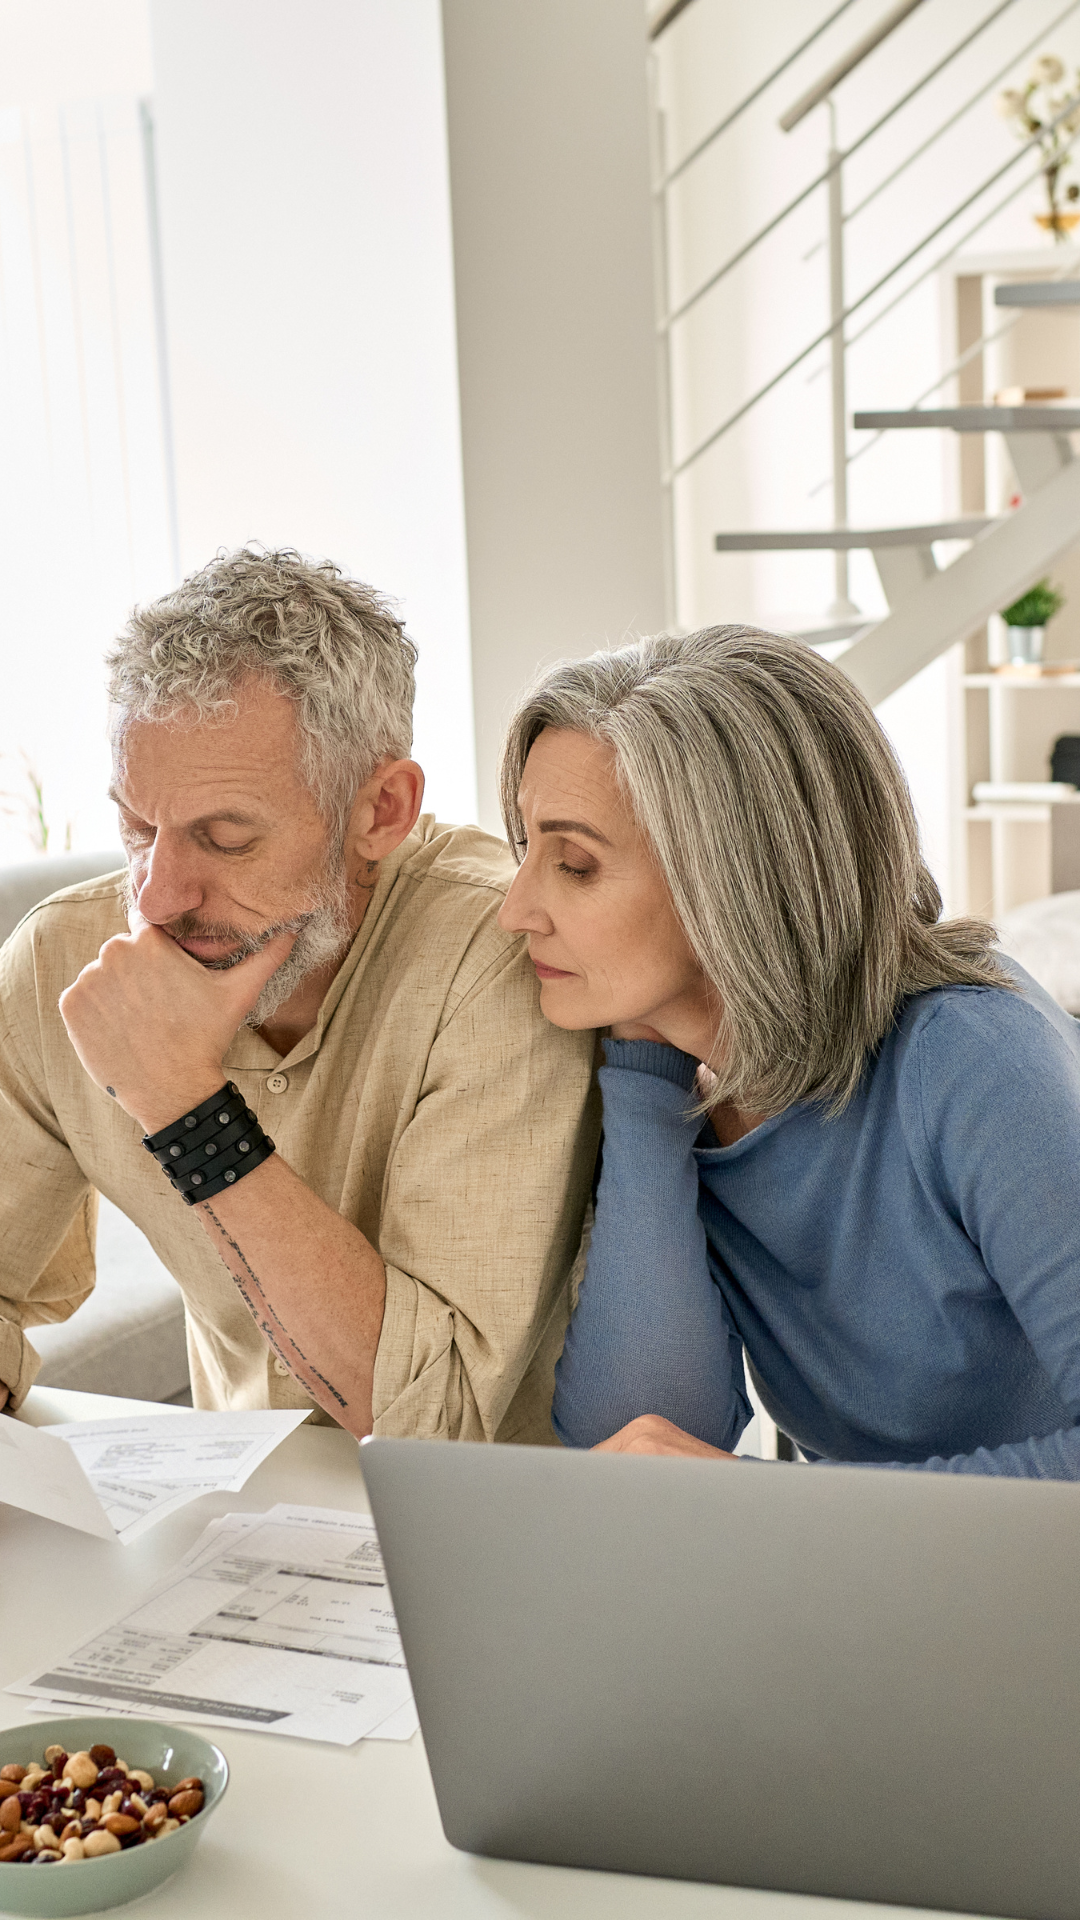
[[120, 1823], [187, 1802]]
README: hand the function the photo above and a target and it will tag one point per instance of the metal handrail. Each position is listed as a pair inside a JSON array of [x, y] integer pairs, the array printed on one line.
[[820, 339], [821, 179], [663, 17], [755, 94], [958, 365], [983, 220], [847, 63], [969, 354], [917, 153]]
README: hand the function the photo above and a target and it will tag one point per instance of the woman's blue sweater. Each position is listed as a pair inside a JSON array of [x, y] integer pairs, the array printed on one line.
[[904, 1279]]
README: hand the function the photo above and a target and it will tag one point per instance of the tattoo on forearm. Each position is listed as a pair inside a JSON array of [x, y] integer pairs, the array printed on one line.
[[246, 1279]]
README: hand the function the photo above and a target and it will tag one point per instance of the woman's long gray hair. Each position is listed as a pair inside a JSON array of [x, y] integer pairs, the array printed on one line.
[[784, 829]]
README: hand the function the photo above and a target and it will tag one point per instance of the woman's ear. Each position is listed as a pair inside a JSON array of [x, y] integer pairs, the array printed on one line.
[[385, 810]]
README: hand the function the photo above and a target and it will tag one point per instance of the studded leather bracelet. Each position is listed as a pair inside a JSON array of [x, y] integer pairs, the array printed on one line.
[[209, 1149]]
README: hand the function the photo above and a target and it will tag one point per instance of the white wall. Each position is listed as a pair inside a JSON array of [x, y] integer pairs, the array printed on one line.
[[309, 294], [549, 167], [71, 49]]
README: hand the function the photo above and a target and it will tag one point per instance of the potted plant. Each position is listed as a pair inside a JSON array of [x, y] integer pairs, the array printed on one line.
[[1027, 620], [1039, 108]]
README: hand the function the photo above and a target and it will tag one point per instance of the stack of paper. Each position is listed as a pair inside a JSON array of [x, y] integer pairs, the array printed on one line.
[[115, 1478], [276, 1621]]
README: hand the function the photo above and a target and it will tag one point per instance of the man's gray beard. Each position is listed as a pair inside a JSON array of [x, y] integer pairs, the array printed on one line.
[[323, 933]]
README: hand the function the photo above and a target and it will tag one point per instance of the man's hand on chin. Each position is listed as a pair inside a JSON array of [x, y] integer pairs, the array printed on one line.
[[152, 1026], [651, 1433]]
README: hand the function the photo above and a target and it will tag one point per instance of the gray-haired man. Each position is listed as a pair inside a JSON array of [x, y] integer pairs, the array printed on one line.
[[292, 928]]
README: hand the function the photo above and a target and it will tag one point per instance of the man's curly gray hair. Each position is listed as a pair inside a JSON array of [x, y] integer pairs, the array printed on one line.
[[332, 646], [783, 826]]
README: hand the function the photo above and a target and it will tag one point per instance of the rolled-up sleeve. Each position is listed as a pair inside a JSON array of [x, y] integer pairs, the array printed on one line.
[[482, 1210]]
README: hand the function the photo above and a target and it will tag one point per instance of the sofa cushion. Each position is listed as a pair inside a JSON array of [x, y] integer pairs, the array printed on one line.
[[129, 1337], [1044, 935], [22, 887]]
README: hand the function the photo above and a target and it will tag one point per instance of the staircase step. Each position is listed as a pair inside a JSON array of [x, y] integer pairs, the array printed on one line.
[[845, 539], [949, 605], [1059, 417], [1038, 293]]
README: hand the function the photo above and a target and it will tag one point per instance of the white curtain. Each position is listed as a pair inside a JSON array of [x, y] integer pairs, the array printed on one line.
[[87, 524]]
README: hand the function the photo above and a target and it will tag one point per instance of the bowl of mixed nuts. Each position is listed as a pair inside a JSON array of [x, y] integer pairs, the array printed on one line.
[[111, 1807]]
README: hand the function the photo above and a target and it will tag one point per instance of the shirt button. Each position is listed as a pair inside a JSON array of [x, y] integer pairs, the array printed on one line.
[[277, 1083], [280, 1367]]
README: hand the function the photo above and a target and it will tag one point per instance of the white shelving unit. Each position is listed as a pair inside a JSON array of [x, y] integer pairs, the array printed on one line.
[[1018, 852], [1012, 852]]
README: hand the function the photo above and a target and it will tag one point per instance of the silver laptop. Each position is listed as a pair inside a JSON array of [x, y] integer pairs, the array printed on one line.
[[823, 1680]]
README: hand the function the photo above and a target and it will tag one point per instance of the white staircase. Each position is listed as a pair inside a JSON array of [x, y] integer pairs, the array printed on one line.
[[930, 607]]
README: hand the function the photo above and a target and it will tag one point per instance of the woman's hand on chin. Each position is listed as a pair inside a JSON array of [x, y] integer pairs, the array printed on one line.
[[651, 1433]]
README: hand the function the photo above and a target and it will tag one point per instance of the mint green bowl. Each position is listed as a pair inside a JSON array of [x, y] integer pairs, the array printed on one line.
[[86, 1886]]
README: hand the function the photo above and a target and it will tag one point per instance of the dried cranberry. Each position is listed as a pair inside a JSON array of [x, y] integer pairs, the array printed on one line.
[[159, 1796], [78, 1801], [132, 1839]]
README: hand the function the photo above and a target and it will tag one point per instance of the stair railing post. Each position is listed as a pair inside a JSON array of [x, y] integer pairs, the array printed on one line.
[[843, 607], [661, 286]]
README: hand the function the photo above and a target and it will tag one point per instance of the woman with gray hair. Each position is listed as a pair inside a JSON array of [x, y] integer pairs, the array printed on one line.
[[841, 1135]]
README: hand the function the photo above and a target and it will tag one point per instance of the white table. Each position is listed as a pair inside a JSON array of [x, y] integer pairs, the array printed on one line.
[[311, 1832]]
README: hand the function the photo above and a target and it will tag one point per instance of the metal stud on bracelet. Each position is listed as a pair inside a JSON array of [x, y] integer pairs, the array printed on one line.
[[223, 1129]]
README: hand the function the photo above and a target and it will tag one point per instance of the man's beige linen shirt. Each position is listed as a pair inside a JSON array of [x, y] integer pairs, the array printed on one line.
[[432, 1105]]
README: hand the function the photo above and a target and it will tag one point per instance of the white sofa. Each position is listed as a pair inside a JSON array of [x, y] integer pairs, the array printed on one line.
[[129, 1337], [1044, 935]]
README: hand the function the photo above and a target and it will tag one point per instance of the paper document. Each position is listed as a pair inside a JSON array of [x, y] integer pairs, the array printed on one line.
[[116, 1478], [279, 1621]]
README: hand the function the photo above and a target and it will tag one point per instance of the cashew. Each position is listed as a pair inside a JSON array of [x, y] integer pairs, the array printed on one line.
[[100, 1842], [73, 1849], [81, 1770]]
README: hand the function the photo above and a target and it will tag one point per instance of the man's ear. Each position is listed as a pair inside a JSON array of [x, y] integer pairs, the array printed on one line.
[[385, 810]]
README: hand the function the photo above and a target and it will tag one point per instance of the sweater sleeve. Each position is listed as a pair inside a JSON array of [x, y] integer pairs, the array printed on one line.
[[995, 1105], [651, 1333]]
